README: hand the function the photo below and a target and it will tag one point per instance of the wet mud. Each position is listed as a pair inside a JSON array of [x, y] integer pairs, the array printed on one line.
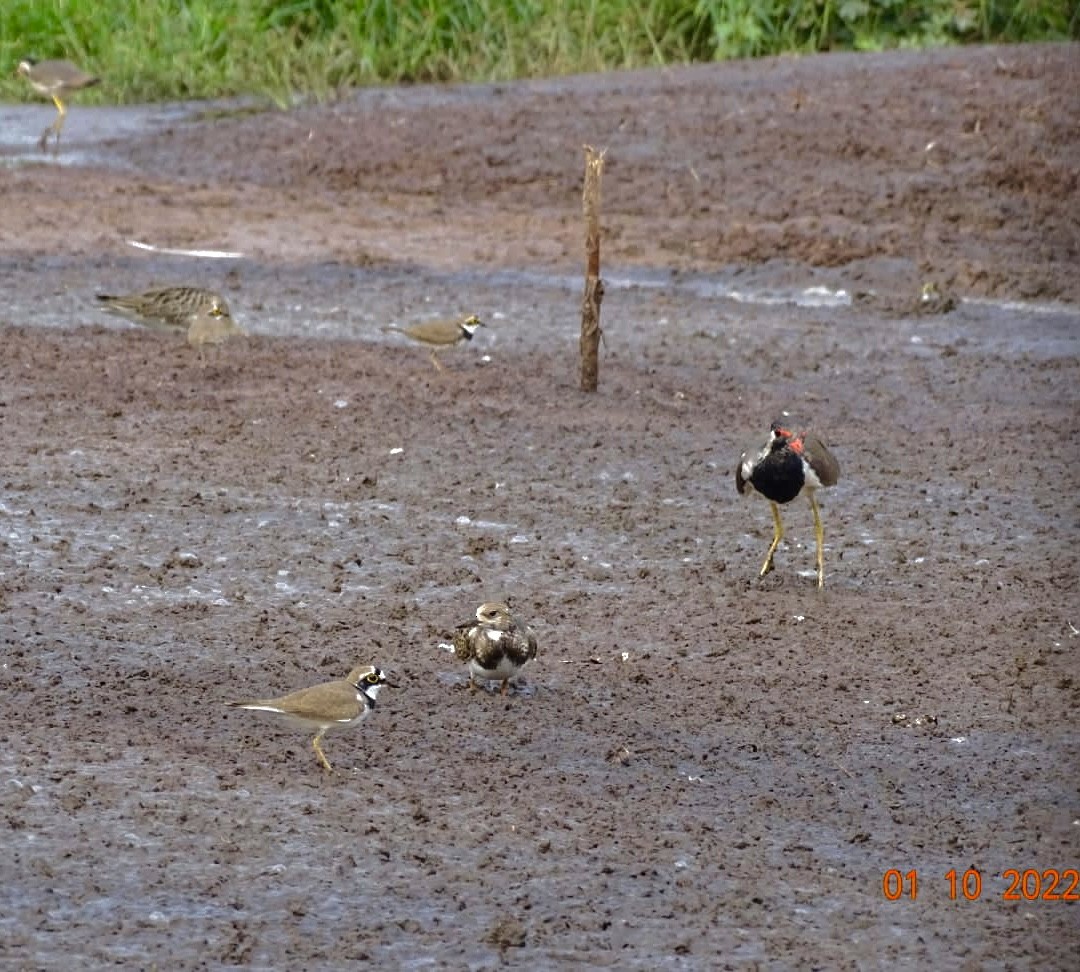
[[702, 768]]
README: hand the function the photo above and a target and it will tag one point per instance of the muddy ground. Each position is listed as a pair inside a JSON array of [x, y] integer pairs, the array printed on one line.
[[702, 769]]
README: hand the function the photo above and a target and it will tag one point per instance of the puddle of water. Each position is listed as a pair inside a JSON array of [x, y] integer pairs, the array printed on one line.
[[90, 132], [86, 130], [526, 306]]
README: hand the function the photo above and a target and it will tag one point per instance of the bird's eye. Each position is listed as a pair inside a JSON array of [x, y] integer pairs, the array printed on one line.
[[372, 678]]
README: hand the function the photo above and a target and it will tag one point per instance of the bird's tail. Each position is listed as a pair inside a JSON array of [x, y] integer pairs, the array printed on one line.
[[263, 704]]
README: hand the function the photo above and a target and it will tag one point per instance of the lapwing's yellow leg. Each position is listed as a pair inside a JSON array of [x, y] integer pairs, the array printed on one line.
[[435, 361], [505, 686], [54, 128], [819, 532], [317, 746], [59, 123], [778, 535]]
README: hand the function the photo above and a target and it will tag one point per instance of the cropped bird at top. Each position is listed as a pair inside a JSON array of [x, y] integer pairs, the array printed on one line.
[[793, 461], [495, 645], [440, 334], [56, 80], [168, 308], [327, 706]]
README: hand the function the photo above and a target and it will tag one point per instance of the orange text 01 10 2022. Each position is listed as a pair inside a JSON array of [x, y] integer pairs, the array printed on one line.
[[1028, 884]]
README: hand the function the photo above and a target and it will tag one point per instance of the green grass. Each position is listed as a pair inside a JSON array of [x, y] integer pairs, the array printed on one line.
[[167, 49]]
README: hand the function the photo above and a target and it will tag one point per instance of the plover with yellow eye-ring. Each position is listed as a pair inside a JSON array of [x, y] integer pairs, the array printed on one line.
[[330, 705], [441, 334]]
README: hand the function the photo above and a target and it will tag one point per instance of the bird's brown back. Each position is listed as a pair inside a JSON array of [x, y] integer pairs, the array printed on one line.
[[59, 76], [440, 333], [821, 460], [329, 702]]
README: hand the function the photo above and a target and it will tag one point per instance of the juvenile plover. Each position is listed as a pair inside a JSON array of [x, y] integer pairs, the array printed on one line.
[[495, 645]]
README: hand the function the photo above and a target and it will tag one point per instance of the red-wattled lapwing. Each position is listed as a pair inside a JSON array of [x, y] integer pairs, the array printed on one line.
[[56, 80], [793, 461]]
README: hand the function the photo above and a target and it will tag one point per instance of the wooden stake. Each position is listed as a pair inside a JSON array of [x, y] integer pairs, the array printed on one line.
[[594, 286]]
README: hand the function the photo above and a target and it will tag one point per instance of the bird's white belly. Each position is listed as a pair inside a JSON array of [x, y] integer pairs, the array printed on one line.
[[812, 482], [504, 670]]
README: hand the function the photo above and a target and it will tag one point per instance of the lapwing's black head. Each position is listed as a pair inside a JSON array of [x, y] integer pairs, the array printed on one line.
[[785, 428]]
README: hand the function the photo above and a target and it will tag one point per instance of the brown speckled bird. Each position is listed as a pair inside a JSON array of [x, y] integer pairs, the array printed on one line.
[[56, 80], [327, 706], [169, 308], [496, 646], [793, 461]]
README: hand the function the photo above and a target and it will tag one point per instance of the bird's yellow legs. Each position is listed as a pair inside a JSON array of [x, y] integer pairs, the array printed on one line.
[[778, 535], [317, 746], [55, 127], [819, 532], [435, 361]]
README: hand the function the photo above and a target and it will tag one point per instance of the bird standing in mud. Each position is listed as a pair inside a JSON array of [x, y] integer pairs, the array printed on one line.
[[327, 706], [792, 462], [56, 80], [169, 308], [496, 645], [439, 335], [202, 315], [213, 327]]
